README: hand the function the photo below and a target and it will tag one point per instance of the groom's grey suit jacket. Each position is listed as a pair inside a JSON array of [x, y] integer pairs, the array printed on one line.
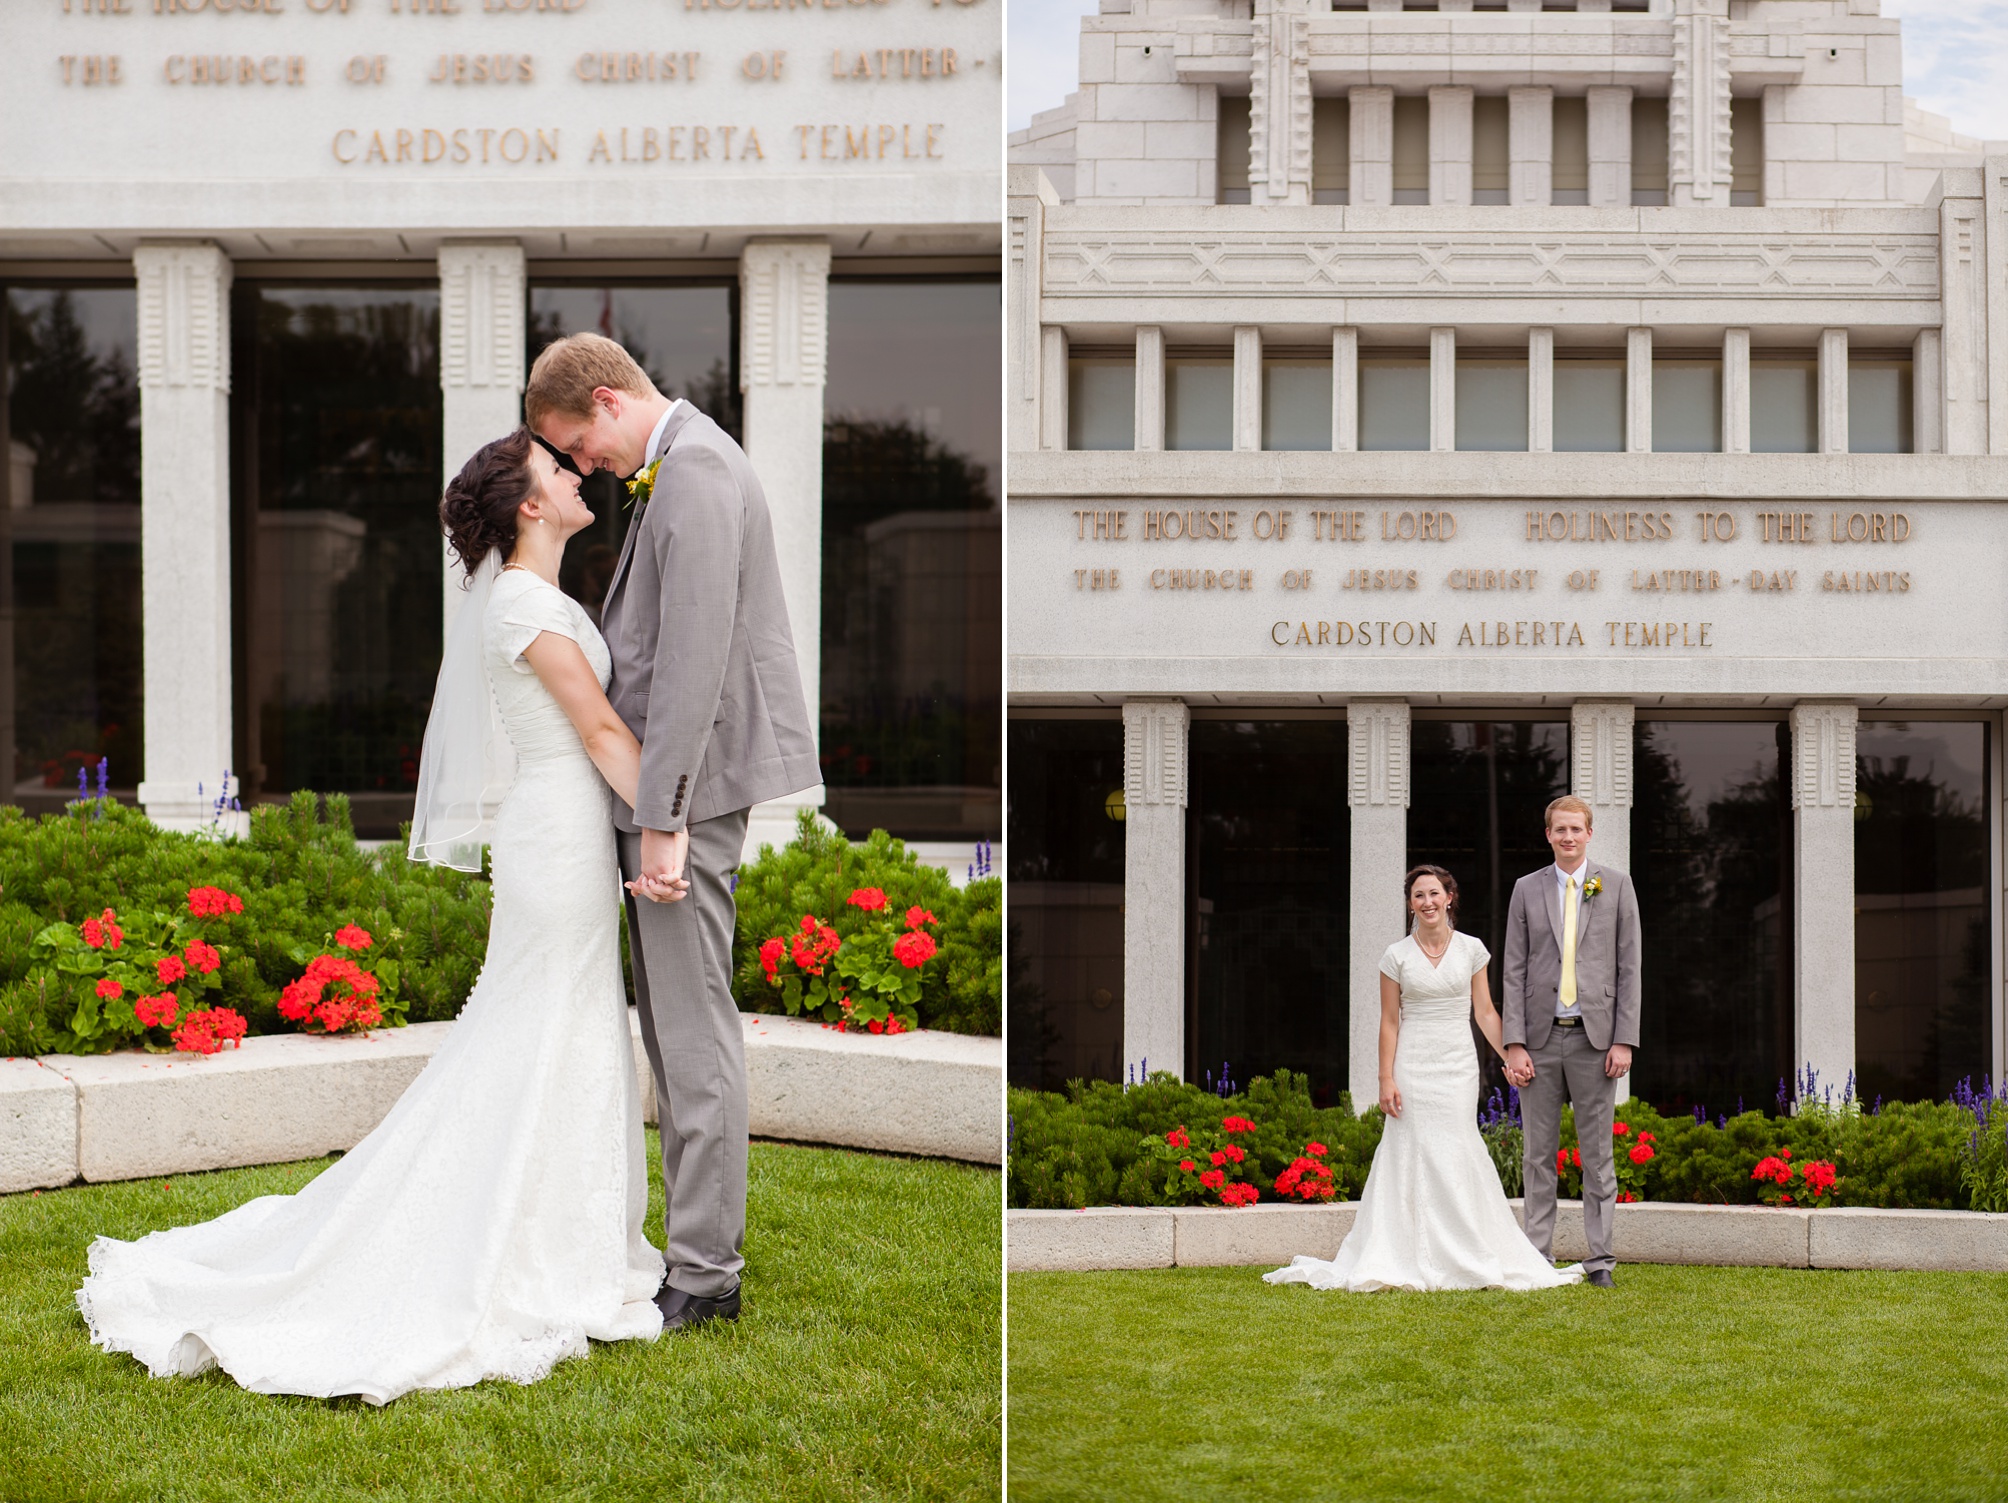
[[1607, 959], [704, 660]]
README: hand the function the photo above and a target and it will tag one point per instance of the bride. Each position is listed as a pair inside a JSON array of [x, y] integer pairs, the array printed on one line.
[[1433, 1215], [493, 1223]]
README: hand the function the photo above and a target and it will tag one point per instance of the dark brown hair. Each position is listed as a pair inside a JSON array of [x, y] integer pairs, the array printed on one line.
[[1449, 888], [478, 510]]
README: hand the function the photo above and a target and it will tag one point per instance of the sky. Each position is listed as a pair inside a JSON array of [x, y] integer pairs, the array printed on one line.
[[1955, 58]]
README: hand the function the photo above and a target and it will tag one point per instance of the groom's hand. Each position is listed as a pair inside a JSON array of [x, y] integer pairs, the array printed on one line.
[[1618, 1061], [663, 857], [1519, 1065]]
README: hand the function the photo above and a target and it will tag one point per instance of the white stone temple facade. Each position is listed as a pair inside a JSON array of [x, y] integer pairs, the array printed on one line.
[[1621, 386], [469, 151]]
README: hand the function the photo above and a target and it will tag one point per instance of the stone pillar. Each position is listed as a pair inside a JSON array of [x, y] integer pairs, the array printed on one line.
[[1450, 145], [1964, 295], [1927, 394], [1052, 387], [1279, 104], [1155, 735], [1247, 388], [1149, 402], [1530, 145], [1638, 391], [1345, 390], [1834, 391], [1377, 742], [783, 360], [1697, 113], [1823, 888], [481, 295], [1735, 391], [1442, 390], [1540, 391], [1609, 114], [1600, 764], [1031, 194], [1371, 146], [184, 385]]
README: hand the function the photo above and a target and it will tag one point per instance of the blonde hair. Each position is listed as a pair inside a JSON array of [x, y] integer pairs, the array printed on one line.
[[1570, 804], [571, 369]]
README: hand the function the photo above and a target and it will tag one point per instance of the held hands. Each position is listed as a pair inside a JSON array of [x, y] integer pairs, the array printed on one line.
[[1390, 1098], [1519, 1066], [1618, 1061], [663, 857]]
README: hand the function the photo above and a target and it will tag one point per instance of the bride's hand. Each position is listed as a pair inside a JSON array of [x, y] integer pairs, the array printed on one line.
[[1390, 1098]]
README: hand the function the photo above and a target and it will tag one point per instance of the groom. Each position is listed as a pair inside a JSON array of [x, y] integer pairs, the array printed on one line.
[[1571, 1022], [705, 676]]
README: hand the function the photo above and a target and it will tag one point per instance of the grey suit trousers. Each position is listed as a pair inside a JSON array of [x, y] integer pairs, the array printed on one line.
[[690, 1028], [1568, 1066]]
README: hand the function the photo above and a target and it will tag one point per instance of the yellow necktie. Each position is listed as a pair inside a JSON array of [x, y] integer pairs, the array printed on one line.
[[1569, 945]]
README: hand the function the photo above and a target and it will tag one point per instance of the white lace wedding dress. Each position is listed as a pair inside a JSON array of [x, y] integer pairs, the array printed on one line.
[[1433, 1214], [492, 1223]]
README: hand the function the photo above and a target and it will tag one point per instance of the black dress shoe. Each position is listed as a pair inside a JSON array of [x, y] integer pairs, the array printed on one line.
[[1601, 1279], [684, 1312]]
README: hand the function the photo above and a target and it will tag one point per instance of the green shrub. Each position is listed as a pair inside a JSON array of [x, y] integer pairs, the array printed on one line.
[[962, 989]]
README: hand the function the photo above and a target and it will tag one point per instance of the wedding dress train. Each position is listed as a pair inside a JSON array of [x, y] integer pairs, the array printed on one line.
[[1433, 1214], [493, 1222]]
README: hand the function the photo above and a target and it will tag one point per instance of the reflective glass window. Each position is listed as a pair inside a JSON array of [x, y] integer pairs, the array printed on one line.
[[1394, 404], [1063, 847], [1589, 406], [70, 690], [1101, 404], [1711, 839], [1268, 903], [1199, 404], [1923, 928], [1296, 404], [1331, 149], [1231, 169], [1686, 406], [912, 679], [1879, 407], [336, 467], [1784, 406], [1491, 404]]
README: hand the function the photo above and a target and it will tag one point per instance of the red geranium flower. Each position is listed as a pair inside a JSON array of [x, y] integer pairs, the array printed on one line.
[[1177, 1138], [871, 899], [1236, 1124], [213, 902], [103, 931], [156, 1012], [202, 957], [1213, 1179], [1641, 1154], [877, 1025], [1219, 1159], [1317, 1150], [1619, 1129], [916, 916], [170, 969], [209, 1030], [1235, 1152], [351, 937], [1187, 1165], [770, 958], [1239, 1195], [108, 988], [914, 949]]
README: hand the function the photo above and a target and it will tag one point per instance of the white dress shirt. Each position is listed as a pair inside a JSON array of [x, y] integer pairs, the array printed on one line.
[[1582, 874], [655, 433]]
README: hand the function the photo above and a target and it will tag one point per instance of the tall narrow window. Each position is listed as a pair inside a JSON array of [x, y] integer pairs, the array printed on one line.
[[1231, 169], [1491, 403], [1746, 152], [1784, 406], [1571, 181], [1101, 403], [1411, 149], [1879, 407], [1198, 404], [1589, 405], [1297, 404], [1394, 403], [1649, 152], [1687, 406], [1331, 150], [1490, 161]]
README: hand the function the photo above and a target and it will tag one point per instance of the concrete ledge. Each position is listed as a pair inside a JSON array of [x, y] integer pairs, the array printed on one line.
[[38, 1127], [1268, 1236], [291, 1096]]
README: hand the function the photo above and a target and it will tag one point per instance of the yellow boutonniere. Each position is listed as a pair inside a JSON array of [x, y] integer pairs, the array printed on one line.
[[1592, 887], [642, 486]]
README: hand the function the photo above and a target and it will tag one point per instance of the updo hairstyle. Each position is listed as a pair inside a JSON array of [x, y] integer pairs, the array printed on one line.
[[1449, 882], [478, 510]]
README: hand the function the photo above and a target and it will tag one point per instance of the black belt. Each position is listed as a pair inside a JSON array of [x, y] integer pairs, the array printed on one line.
[[1568, 1022]]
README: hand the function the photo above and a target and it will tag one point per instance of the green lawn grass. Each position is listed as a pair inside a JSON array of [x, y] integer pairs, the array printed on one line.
[[1683, 1383], [866, 1365]]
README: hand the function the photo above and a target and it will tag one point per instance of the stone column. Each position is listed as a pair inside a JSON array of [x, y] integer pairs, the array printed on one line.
[[1540, 391], [1530, 145], [1638, 391], [1450, 145], [1964, 294], [1377, 741], [1697, 113], [1927, 394], [1609, 114], [1442, 390], [1031, 194], [1155, 735], [1371, 146], [481, 294], [184, 384], [1735, 391], [1345, 390], [1823, 888], [1052, 387], [1834, 391], [1149, 402], [783, 360], [1247, 388], [1600, 765], [1279, 104]]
